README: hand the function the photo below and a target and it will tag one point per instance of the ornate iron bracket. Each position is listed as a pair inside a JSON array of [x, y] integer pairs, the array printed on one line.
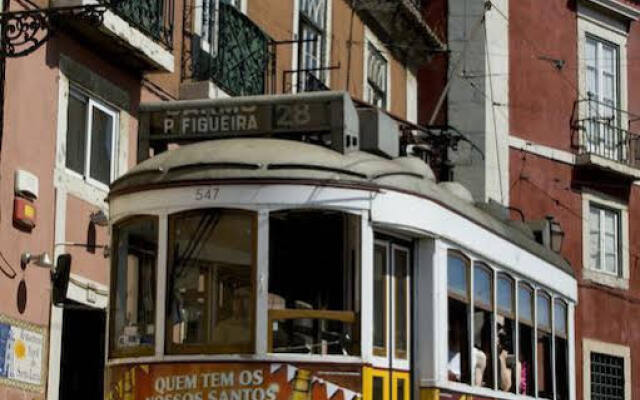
[[23, 32]]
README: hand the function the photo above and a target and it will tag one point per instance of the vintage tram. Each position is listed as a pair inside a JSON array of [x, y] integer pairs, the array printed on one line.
[[299, 256]]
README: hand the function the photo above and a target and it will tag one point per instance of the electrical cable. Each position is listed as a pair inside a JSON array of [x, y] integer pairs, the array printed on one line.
[[13, 273]]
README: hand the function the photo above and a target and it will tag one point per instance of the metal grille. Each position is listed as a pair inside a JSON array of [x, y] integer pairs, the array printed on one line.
[[607, 377], [241, 63], [153, 17]]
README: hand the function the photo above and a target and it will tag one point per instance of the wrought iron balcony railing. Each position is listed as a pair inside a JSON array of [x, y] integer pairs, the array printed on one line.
[[242, 62], [602, 130], [153, 17]]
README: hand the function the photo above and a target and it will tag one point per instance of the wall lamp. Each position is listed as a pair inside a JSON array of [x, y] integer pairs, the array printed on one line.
[[42, 260]]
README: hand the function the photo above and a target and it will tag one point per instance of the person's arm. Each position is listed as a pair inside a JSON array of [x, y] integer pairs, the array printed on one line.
[[505, 372]]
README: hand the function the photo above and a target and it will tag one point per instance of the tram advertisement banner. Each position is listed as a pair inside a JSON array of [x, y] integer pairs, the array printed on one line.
[[233, 381]]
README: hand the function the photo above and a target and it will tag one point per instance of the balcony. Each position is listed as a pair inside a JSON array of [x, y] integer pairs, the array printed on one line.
[[138, 32], [239, 62], [400, 22], [603, 140]]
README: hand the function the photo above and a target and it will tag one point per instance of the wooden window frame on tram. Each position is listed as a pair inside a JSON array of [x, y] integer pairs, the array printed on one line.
[[177, 349], [137, 351]]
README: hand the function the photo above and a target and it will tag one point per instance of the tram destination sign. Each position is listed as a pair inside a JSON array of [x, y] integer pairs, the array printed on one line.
[[330, 113]]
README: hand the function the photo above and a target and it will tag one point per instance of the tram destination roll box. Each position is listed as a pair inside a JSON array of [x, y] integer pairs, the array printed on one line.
[[328, 117]]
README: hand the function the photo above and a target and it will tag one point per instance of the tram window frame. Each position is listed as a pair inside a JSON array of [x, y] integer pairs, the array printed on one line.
[[460, 300], [511, 307], [303, 319], [561, 348], [486, 311], [506, 334], [382, 314], [402, 353], [544, 352], [526, 325], [139, 350], [208, 348]]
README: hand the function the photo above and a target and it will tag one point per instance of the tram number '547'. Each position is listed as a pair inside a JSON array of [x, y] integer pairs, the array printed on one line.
[[207, 193]]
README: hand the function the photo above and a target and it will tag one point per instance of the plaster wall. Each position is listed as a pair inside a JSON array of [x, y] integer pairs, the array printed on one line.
[[479, 72]]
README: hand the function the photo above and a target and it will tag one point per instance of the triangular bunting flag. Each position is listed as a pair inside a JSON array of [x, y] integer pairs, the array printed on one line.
[[331, 389], [348, 394], [291, 372], [273, 368]]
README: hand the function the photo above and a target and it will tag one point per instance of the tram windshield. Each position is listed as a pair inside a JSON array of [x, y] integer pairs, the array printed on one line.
[[313, 270], [209, 283]]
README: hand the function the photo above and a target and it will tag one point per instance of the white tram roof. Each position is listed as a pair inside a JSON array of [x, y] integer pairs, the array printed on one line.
[[247, 160]]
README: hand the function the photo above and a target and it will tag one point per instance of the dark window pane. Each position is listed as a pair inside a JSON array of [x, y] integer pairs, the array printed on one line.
[[210, 281], [401, 266], [378, 388], [379, 296], [458, 364], [294, 254], [506, 354], [400, 390], [482, 353], [562, 369], [101, 146], [133, 319], [76, 134], [543, 358], [526, 352]]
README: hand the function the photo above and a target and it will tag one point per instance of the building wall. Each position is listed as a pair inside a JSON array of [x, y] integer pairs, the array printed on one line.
[[545, 77]]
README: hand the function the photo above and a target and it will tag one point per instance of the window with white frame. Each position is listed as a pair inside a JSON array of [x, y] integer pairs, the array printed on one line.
[[477, 345], [312, 32], [602, 59], [92, 128], [376, 90], [604, 239], [391, 299]]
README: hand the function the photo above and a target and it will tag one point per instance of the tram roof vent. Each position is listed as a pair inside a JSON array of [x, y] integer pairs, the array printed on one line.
[[379, 133]]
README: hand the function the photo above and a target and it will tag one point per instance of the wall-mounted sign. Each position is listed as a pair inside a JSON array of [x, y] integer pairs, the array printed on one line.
[[21, 354], [233, 381], [320, 113]]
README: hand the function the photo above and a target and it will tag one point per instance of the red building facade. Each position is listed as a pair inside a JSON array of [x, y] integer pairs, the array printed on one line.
[[569, 126]]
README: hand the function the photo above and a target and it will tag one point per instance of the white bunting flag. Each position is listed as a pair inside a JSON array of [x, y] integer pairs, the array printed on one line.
[[331, 389], [291, 372], [275, 368]]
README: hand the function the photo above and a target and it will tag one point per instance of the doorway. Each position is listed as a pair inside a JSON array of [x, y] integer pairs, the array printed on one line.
[[82, 353]]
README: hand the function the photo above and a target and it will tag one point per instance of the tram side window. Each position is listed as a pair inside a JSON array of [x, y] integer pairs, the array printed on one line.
[[561, 350], [211, 259], [543, 347], [314, 270], [458, 324], [525, 334], [380, 266], [482, 325], [505, 325], [132, 328]]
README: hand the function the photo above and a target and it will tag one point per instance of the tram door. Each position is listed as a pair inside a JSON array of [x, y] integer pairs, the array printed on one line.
[[392, 320]]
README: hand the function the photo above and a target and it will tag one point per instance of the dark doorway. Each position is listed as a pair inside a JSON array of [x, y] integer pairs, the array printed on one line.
[[82, 357]]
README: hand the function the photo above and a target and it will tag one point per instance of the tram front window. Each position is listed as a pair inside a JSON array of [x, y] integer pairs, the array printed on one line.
[[132, 327], [209, 284], [313, 275]]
